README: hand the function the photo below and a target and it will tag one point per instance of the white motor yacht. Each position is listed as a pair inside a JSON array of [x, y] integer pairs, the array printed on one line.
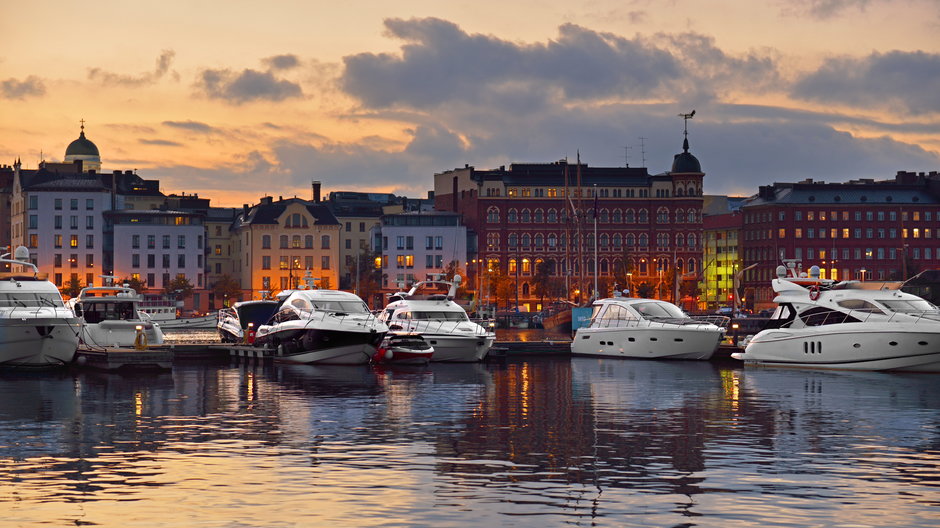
[[243, 318], [626, 327], [36, 328], [112, 317], [848, 325], [322, 326], [428, 310]]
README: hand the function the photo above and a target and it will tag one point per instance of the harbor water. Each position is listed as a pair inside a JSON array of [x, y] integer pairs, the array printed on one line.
[[522, 442]]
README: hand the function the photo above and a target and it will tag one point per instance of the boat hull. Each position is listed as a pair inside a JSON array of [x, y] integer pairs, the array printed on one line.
[[38, 342], [689, 342], [896, 349], [119, 334], [459, 349], [322, 346]]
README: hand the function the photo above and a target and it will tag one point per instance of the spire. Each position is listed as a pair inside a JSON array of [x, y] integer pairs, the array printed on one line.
[[685, 118], [82, 133]]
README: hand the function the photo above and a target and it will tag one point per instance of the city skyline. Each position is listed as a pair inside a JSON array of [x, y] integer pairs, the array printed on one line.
[[381, 97]]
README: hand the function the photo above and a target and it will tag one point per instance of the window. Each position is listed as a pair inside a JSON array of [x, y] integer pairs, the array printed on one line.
[[166, 262], [73, 260], [57, 260], [151, 262], [73, 221], [135, 241], [218, 249], [89, 204], [166, 241], [283, 241], [33, 201], [89, 241], [73, 204], [135, 260], [265, 241], [295, 241], [308, 241], [57, 241], [58, 204], [151, 241], [428, 243], [181, 241], [89, 222], [181, 260], [325, 242], [33, 221], [57, 221], [325, 261], [73, 241]]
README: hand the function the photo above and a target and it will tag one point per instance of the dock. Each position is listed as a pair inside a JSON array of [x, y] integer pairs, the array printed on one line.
[[162, 357]]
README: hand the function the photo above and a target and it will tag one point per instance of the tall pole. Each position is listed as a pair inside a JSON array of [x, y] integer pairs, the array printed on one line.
[[596, 296]]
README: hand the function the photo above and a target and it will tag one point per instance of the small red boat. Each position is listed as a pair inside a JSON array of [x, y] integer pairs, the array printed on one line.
[[403, 349]]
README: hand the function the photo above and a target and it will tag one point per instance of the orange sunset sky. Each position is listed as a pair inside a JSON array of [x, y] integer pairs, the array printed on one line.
[[234, 100]]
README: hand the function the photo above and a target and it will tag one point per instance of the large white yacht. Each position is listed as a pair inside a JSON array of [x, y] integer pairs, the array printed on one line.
[[322, 326], [112, 317], [428, 310], [240, 322], [36, 328], [626, 327], [848, 325]]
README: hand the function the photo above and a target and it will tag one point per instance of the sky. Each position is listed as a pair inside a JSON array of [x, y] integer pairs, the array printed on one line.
[[236, 100]]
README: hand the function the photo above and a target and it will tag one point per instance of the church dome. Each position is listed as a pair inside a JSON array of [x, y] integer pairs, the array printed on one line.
[[686, 162], [81, 147]]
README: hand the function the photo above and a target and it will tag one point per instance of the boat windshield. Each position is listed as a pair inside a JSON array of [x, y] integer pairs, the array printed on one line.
[[653, 310], [30, 300], [860, 305], [912, 306], [434, 316], [341, 306]]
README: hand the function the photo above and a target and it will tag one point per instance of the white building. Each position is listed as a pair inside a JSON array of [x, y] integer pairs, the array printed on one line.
[[416, 245], [157, 246]]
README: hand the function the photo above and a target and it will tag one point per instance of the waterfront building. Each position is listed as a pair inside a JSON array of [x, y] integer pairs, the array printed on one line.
[[220, 257], [535, 226], [721, 260], [417, 245], [277, 242], [861, 229]]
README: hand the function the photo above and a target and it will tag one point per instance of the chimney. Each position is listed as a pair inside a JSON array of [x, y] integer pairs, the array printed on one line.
[[316, 190], [245, 211]]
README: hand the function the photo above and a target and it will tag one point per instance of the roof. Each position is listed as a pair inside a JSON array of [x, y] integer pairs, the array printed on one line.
[[881, 193], [553, 174], [268, 211], [82, 147]]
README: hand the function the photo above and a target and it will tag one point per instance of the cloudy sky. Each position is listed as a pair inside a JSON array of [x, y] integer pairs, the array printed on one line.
[[237, 99]]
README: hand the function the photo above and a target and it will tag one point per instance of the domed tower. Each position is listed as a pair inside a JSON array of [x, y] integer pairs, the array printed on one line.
[[686, 170], [84, 150]]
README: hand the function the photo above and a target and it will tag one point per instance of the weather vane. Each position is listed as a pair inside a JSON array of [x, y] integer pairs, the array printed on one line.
[[685, 118]]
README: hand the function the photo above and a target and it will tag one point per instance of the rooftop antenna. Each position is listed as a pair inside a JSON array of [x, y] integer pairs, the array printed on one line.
[[626, 156], [643, 151]]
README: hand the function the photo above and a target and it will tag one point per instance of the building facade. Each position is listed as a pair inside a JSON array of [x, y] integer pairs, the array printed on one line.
[[535, 226], [721, 260], [277, 242], [157, 246], [861, 229], [415, 246]]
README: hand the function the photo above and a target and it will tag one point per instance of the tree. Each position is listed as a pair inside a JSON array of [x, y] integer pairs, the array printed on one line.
[[227, 288], [73, 287], [453, 270], [644, 290], [178, 288], [135, 284], [324, 283]]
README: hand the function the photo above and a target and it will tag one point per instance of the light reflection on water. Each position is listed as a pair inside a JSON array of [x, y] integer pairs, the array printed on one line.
[[585, 442]]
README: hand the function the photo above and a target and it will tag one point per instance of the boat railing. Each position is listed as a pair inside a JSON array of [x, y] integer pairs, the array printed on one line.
[[709, 320], [828, 316], [430, 326]]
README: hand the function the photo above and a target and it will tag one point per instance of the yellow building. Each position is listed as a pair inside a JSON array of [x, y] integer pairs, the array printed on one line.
[[278, 242], [721, 260]]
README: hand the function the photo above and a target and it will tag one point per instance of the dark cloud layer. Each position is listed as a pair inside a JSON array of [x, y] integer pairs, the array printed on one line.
[[245, 86], [160, 142], [32, 86], [281, 62], [192, 126], [903, 81], [164, 61]]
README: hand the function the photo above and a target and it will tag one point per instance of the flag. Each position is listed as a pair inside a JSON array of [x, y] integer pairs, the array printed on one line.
[[595, 202]]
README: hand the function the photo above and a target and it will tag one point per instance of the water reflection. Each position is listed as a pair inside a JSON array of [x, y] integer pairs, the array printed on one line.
[[585, 441]]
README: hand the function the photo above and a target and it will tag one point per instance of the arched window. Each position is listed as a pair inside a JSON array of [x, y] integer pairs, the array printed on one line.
[[295, 220], [680, 216], [538, 217], [308, 241], [605, 240], [295, 241], [604, 267], [691, 216], [644, 240], [692, 241], [605, 216], [552, 216], [679, 265], [512, 217], [617, 216], [662, 215], [283, 240], [679, 191], [644, 216], [525, 289], [691, 266], [526, 240], [539, 240], [526, 216], [631, 240], [492, 215], [492, 241], [265, 241], [618, 241], [630, 217], [552, 240], [512, 267], [325, 242], [513, 240], [680, 240]]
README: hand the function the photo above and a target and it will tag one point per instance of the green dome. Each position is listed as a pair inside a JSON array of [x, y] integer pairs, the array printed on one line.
[[82, 147], [686, 162]]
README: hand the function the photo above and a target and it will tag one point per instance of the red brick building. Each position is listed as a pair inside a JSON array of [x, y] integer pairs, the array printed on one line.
[[534, 226], [861, 229]]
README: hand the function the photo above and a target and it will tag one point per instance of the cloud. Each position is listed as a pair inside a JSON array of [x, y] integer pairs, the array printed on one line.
[[192, 126], [281, 62], [31, 87], [440, 62], [907, 82], [160, 142], [823, 9], [246, 86], [164, 61]]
